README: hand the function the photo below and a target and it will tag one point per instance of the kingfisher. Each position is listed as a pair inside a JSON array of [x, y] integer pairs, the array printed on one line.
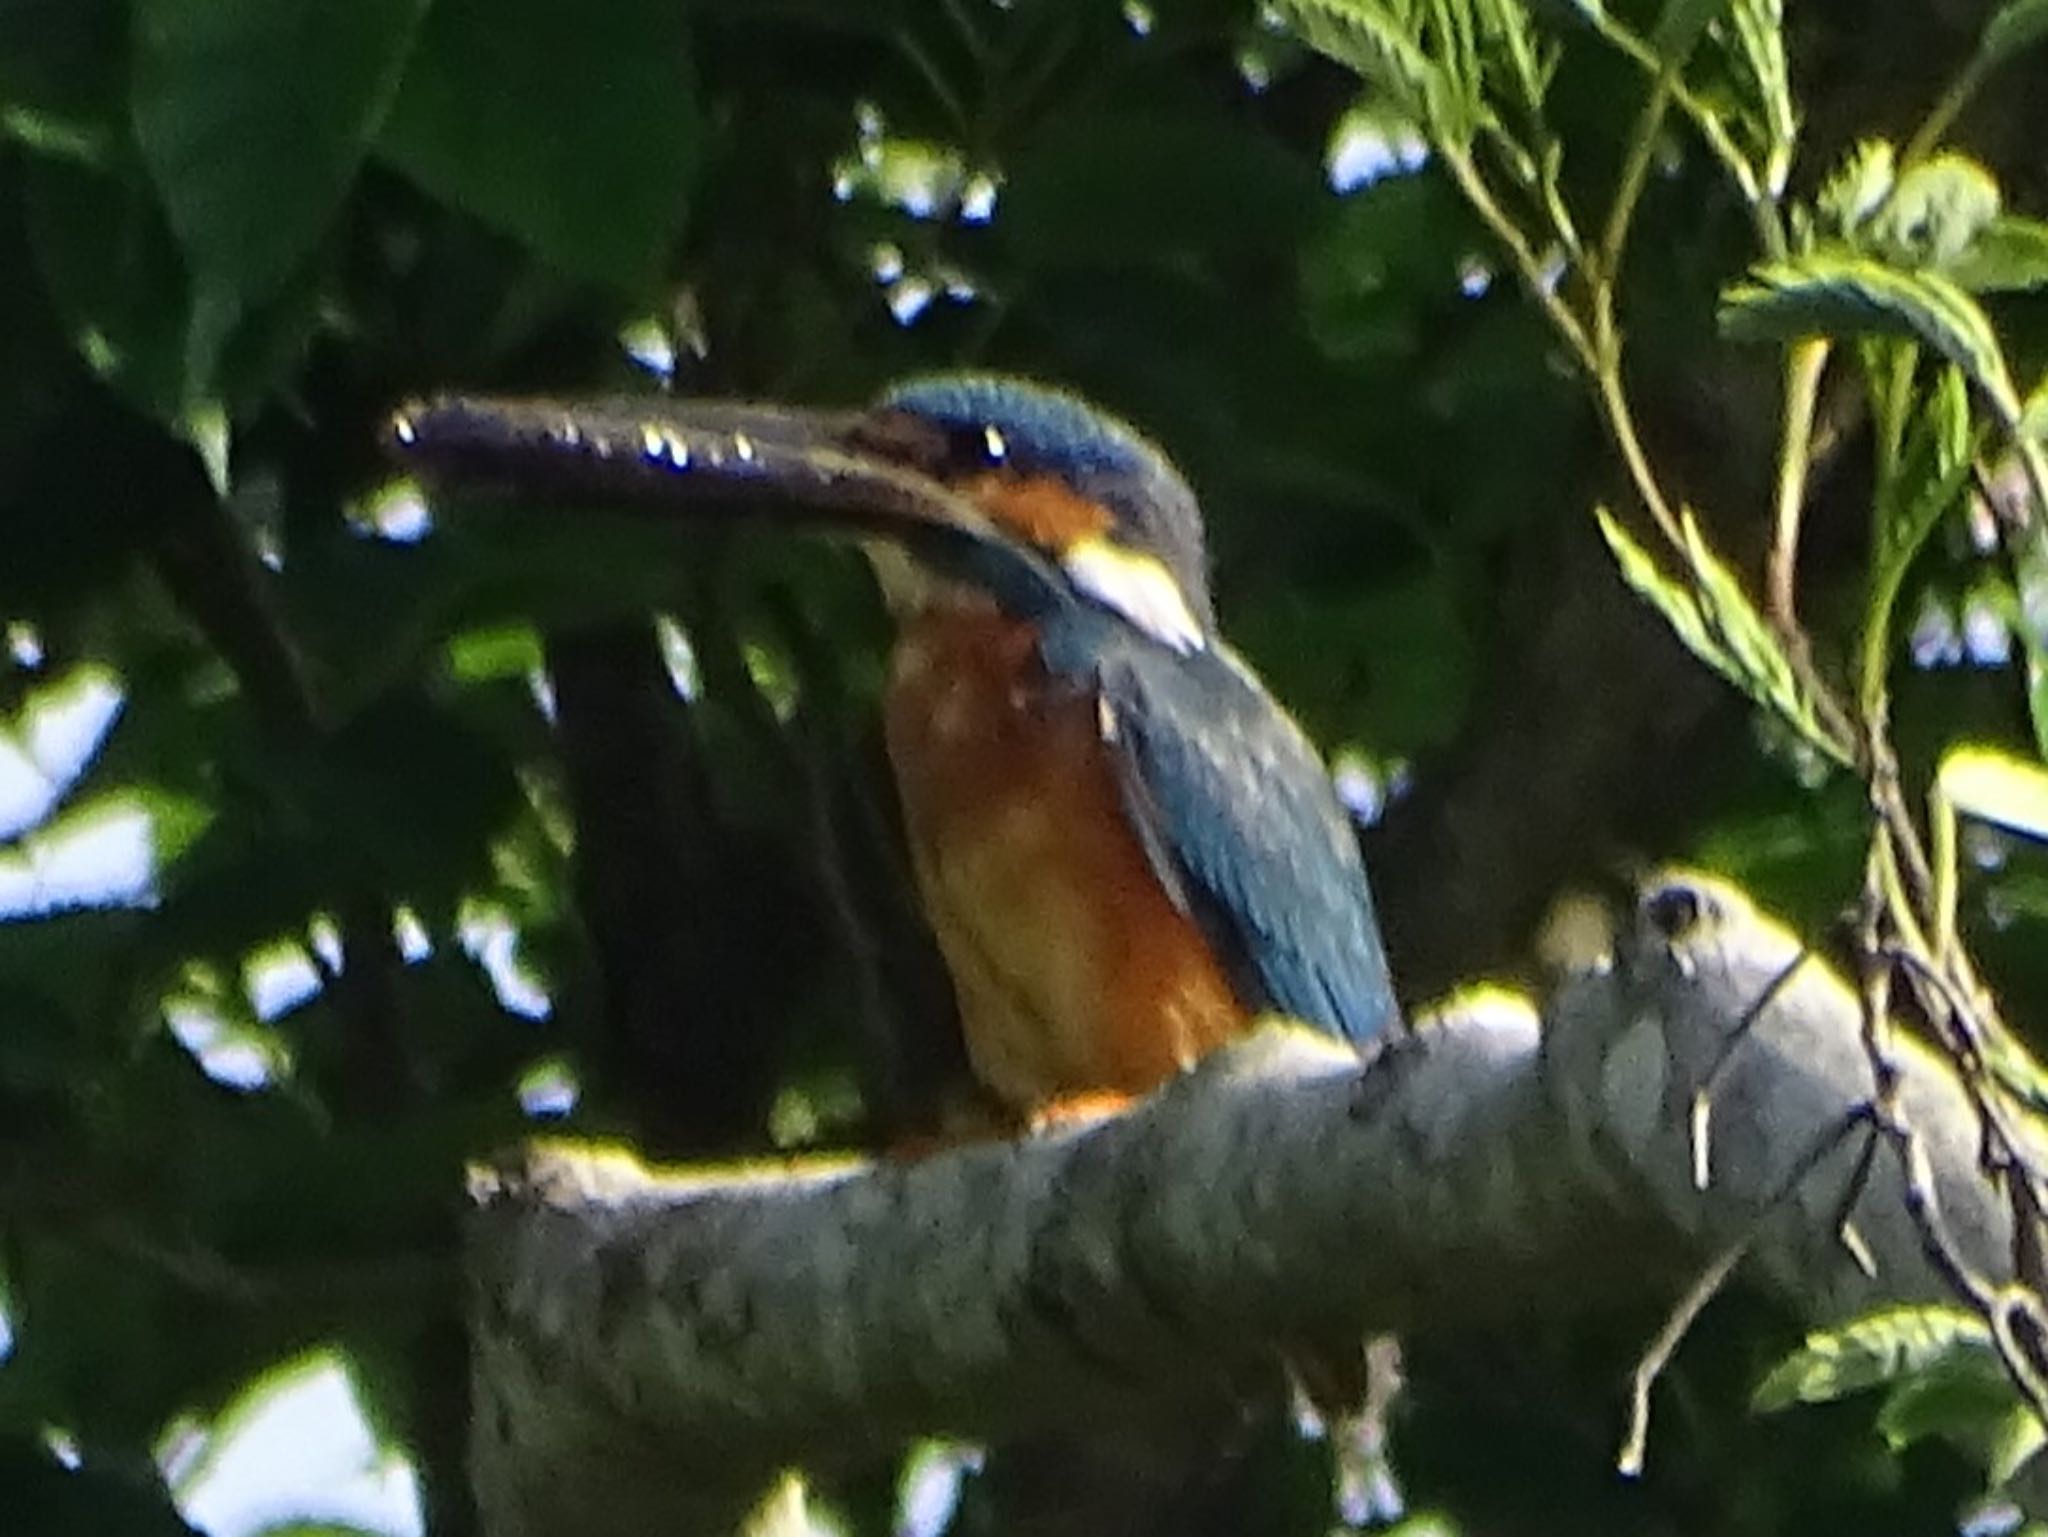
[[1127, 849]]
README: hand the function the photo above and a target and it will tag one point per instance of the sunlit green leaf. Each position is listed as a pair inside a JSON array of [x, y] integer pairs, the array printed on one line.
[[1935, 210], [1759, 43], [1868, 1353], [1857, 187], [1384, 48], [2034, 414], [1964, 1398], [1510, 33], [1716, 621], [1835, 294], [1994, 786], [2015, 1444], [2006, 254]]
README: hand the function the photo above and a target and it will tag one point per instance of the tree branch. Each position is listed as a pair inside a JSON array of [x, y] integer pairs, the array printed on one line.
[[650, 1347]]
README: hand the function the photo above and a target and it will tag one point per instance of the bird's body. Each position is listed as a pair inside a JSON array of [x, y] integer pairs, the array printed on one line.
[[1075, 973], [1127, 849]]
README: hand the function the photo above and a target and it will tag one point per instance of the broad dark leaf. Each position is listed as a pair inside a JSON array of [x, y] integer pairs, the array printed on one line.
[[578, 136], [253, 116]]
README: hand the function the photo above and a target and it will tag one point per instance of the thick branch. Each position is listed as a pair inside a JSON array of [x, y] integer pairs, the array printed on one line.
[[641, 1338]]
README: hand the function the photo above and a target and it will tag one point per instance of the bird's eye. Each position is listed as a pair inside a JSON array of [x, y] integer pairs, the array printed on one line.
[[976, 448]]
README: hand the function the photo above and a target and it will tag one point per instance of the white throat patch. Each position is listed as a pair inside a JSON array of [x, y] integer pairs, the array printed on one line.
[[1139, 587]]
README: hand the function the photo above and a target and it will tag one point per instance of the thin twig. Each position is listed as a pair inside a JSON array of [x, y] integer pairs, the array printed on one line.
[[1703, 1095], [1634, 1450], [1533, 271]]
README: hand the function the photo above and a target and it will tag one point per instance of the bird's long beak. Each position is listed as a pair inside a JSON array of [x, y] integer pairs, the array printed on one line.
[[704, 460]]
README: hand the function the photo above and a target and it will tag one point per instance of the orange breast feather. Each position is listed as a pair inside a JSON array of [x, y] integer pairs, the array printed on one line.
[[1074, 970]]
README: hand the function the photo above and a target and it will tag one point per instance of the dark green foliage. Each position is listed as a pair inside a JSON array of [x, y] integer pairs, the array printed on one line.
[[235, 233]]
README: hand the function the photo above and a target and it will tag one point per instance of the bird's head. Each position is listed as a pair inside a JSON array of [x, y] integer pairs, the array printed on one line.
[[987, 482], [1078, 486]]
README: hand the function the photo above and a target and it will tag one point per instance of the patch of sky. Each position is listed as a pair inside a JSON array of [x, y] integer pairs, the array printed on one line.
[[295, 1447]]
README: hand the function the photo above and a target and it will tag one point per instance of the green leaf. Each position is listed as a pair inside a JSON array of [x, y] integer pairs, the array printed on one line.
[[2008, 255], [1857, 187], [2014, 1444], [1384, 49], [1868, 1353], [1759, 45], [253, 116], [1836, 294], [1928, 476], [1934, 212], [2018, 25], [62, 74], [1510, 33], [1965, 1398], [1993, 786], [1932, 470], [2034, 414], [1716, 621], [578, 136], [1679, 27], [2030, 619]]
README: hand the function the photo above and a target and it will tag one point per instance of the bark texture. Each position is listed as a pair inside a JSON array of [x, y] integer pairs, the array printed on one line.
[[650, 1346]]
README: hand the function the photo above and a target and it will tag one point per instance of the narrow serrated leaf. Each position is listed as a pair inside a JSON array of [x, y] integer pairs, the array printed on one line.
[[1874, 1350], [1675, 601], [1838, 294], [1510, 32], [1715, 620], [1759, 43], [1381, 48], [1857, 187], [1931, 470]]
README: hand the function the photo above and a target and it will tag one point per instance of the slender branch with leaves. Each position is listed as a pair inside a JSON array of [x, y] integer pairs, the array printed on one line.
[[1876, 285]]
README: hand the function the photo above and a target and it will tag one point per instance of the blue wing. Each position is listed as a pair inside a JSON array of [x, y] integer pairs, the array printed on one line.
[[1240, 820]]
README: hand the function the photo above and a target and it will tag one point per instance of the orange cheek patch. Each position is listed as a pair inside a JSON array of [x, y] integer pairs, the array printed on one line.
[[1039, 508]]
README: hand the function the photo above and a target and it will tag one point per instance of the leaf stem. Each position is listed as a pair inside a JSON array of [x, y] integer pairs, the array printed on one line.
[[1536, 278], [1804, 365], [1635, 172], [1945, 111]]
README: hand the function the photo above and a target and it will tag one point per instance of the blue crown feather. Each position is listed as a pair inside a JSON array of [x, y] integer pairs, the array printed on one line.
[[1049, 431]]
